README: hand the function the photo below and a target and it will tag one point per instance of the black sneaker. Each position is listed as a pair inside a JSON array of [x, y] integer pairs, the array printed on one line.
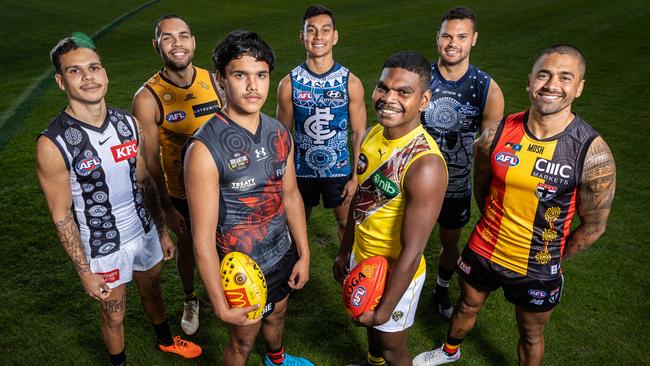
[[442, 303]]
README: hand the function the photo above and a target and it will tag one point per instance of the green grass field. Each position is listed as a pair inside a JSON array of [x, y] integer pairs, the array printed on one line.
[[46, 318]]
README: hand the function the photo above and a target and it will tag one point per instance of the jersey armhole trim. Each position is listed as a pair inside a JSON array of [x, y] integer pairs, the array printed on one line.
[[497, 135], [64, 156], [160, 106]]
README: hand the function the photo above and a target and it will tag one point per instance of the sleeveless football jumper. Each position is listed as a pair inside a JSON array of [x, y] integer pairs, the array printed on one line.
[[183, 110], [452, 118], [380, 210], [532, 196], [107, 203], [252, 219], [320, 111]]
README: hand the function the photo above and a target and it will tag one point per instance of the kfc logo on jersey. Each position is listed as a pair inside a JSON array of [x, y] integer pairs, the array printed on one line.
[[175, 116], [124, 151], [304, 96], [87, 165], [506, 159]]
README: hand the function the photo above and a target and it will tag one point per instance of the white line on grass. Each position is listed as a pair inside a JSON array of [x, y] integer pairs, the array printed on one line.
[[9, 112]]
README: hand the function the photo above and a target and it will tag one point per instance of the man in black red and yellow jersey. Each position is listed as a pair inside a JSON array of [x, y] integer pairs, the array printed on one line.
[[533, 173], [240, 165], [402, 183], [171, 106]]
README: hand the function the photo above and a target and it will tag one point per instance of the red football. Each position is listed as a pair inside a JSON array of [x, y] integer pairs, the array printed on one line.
[[365, 285]]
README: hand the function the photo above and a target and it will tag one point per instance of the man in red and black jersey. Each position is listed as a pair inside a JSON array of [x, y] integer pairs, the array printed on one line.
[[533, 173], [242, 193]]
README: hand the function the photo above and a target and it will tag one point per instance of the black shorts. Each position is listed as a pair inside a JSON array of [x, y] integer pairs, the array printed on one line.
[[330, 188], [180, 204], [455, 212], [529, 293], [277, 280]]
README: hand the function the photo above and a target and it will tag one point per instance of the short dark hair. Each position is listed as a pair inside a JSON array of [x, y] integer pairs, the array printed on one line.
[[240, 43], [156, 29], [411, 61], [459, 12], [69, 44], [315, 10], [565, 49]]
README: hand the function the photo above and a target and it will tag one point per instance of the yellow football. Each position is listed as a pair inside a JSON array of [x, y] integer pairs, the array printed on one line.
[[243, 282]]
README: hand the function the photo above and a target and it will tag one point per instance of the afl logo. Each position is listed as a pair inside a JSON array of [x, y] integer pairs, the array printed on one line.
[[467, 110], [87, 165], [507, 159], [304, 95], [175, 116], [333, 94], [362, 165]]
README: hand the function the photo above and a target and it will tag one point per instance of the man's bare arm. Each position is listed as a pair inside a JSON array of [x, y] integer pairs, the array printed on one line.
[[284, 110], [493, 111], [55, 183], [595, 196], [482, 169]]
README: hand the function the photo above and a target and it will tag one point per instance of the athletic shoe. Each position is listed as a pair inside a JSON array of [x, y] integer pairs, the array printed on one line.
[[288, 361], [190, 320], [435, 357], [442, 303], [182, 348]]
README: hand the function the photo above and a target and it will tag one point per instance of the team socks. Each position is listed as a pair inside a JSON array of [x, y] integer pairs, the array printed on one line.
[[276, 357], [451, 345], [444, 276], [190, 295], [163, 334], [375, 360], [118, 359]]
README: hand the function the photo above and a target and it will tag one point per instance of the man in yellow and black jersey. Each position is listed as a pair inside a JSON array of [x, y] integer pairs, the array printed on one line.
[[171, 106], [532, 174], [402, 183]]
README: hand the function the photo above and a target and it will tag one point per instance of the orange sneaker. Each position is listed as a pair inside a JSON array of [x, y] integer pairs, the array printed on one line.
[[182, 348]]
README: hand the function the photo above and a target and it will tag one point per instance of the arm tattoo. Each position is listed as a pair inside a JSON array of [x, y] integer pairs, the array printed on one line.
[[68, 234], [152, 202], [595, 196]]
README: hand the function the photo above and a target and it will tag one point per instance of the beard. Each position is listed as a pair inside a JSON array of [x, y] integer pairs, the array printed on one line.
[[177, 66]]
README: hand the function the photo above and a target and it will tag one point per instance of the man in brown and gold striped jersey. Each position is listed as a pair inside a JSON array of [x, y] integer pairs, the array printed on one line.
[[171, 106], [533, 173]]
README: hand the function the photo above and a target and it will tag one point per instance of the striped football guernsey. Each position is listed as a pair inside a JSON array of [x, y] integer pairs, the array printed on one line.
[[532, 196], [379, 212], [182, 111], [107, 203]]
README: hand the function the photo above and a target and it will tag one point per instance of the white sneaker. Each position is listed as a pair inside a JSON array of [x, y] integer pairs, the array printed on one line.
[[190, 320], [435, 357]]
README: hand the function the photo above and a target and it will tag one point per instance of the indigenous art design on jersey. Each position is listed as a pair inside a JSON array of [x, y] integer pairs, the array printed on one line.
[[183, 110], [532, 196], [252, 219], [380, 207], [453, 117], [320, 110], [108, 205]]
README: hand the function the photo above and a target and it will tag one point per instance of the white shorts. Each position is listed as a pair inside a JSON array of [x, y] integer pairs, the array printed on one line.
[[404, 313], [137, 255]]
